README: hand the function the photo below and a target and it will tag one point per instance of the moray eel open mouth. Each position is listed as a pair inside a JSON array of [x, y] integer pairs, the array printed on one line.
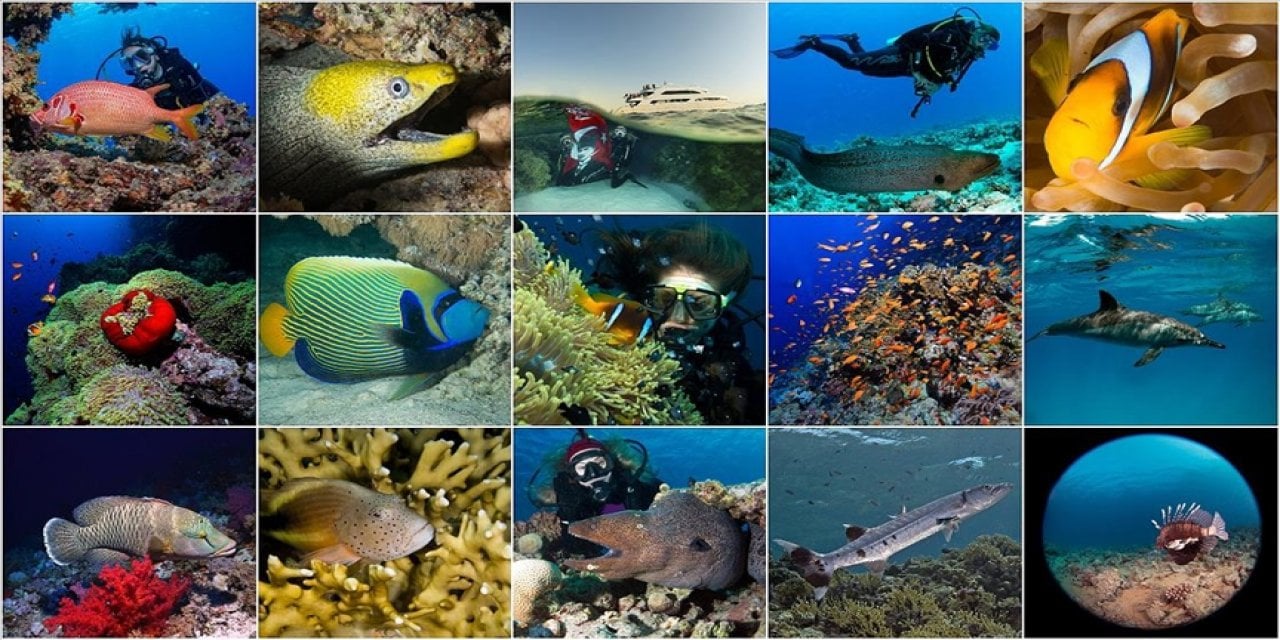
[[411, 127]]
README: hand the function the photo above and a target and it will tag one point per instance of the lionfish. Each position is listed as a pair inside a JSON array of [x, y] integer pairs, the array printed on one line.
[[1188, 532]]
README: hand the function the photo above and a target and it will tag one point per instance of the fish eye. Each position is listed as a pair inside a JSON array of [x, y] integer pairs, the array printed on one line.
[[1121, 105], [398, 87]]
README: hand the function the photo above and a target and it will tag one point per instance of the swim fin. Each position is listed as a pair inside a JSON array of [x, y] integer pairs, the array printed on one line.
[[791, 52]]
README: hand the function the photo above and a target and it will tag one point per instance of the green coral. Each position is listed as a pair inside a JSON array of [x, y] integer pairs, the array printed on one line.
[[532, 171], [728, 176], [459, 587], [126, 395]]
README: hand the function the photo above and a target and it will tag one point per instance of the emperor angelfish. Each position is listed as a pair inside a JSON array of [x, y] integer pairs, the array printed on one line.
[[351, 319], [1105, 112], [112, 529]]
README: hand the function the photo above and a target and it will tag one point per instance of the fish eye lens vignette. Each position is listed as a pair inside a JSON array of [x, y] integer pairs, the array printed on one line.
[[851, 267]]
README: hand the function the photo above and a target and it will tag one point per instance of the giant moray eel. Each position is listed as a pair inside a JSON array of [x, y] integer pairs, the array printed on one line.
[[679, 542], [881, 168], [326, 132]]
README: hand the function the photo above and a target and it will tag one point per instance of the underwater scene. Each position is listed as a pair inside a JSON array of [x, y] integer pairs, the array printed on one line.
[[895, 107], [385, 106], [385, 533], [895, 533], [1150, 107], [129, 320], [895, 320], [1176, 312], [112, 545], [639, 320], [626, 533], [391, 320], [136, 106], [1156, 531], [669, 121]]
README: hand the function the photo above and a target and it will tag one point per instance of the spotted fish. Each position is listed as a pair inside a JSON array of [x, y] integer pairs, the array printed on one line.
[[340, 521], [112, 529], [883, 168], [352, 319]]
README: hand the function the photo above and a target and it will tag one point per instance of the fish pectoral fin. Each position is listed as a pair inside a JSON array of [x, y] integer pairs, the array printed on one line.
[[159, 132], [952, 526], [415, 383], [1050, 64], [153, 91], [1151, 354], [339, 553]]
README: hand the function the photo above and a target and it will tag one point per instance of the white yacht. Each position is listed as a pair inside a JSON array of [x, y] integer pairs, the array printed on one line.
[[653, 98]]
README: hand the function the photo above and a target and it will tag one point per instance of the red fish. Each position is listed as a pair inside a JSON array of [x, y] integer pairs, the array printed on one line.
[[98, 108], [53, 284], [1188, 532]]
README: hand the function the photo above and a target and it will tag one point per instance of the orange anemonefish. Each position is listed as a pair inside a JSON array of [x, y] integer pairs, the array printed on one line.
[[35, 328], [627, 321], [1105, 112]]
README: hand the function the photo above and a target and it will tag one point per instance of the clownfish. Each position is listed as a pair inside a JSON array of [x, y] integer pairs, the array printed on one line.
[[1104, 113], [627, 321]]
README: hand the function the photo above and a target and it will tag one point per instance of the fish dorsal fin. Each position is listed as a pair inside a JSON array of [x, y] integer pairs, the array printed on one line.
[[152, 91], [853, 532], [1107, 302]]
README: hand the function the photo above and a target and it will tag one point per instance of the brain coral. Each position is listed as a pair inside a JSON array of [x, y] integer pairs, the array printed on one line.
[[460, 586], [531, 579]]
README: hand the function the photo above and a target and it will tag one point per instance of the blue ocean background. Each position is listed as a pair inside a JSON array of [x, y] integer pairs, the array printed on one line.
[[821, 479], [219, 38], [829, 105], [571, 238], [676, 456], [1107, 498], [1159, 264]]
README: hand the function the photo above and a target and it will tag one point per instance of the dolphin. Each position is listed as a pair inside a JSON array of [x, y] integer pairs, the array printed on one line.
[[1223, 310], [1122, 325]]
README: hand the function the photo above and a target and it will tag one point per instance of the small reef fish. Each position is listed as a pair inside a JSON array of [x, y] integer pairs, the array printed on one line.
[[35, 328], [327, 132], [53, 284], [883, 168], [15, 277], [35, 256], [873, 547], [99, 108], [340, 521], [16, 265], [1121, 325], [627, 321], [1105, 112], [48, 298], [112, 529], [1188, 532], [349, 319], [680, 542]]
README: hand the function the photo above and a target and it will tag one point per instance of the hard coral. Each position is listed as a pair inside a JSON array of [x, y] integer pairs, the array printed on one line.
[[121, 602], [127, 395], [531, 579]]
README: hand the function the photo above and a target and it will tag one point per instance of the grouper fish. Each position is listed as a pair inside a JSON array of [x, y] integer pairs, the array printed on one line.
[[883, 168], [679, 542], [112, 529], [326, 132]]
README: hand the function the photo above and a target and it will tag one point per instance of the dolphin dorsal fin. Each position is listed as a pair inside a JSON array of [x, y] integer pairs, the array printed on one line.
[[853, 532], [1107, 302]]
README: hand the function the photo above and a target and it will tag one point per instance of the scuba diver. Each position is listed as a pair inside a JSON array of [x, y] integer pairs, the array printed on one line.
[[933, 55], [595, 478], [688, 278], [151, 62], [592, 151]]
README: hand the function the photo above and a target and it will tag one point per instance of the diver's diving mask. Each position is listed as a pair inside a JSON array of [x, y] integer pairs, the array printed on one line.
[[700, 304], [594, 471], [139, 61]]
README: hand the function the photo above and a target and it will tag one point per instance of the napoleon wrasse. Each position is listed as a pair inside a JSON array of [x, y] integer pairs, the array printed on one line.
[[1144, 107]]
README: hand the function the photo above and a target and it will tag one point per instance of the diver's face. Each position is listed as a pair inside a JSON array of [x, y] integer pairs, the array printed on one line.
[[685, 320]]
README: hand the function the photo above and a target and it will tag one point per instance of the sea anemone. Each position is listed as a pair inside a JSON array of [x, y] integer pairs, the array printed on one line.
[[1226, 80]]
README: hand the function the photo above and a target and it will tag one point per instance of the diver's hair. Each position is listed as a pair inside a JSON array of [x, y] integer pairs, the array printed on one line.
[[707, 249]]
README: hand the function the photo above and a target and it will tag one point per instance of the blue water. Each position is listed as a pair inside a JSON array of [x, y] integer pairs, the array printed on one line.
[[217, 37], [821, 479], [813, 96], [747, 229], [1163, 265], [731, 456], [1108, 497], [795, 267]]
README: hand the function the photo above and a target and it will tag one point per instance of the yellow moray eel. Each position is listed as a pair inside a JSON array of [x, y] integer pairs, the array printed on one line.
[[326, 132]]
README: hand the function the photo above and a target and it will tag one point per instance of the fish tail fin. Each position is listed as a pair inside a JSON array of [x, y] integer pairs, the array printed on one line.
[[184, 120], [811, 565], [271, 326], [1219, 526], [62, 541]]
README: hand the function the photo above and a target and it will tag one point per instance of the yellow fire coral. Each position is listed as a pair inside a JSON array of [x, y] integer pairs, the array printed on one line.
[[459, 587], [564, 357], [1225, 82]]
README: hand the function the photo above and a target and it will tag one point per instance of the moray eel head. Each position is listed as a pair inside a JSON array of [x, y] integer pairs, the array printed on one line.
[[382, 104]]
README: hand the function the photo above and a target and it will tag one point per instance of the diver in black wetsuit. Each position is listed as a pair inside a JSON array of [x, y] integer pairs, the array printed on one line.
[[151, 62], [933, 55]]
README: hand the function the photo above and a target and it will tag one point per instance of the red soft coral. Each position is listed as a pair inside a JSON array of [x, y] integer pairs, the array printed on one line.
[[120, 603]]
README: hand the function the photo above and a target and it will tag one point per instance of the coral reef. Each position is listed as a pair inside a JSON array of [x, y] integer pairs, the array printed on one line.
[[996, 193], [727, 176], [530, 580], [475, 39], [1225, 80], [969, 592], [121, 602], [564, 357], [207, 268], [207, 377], [1135, 589], [457, 479]]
